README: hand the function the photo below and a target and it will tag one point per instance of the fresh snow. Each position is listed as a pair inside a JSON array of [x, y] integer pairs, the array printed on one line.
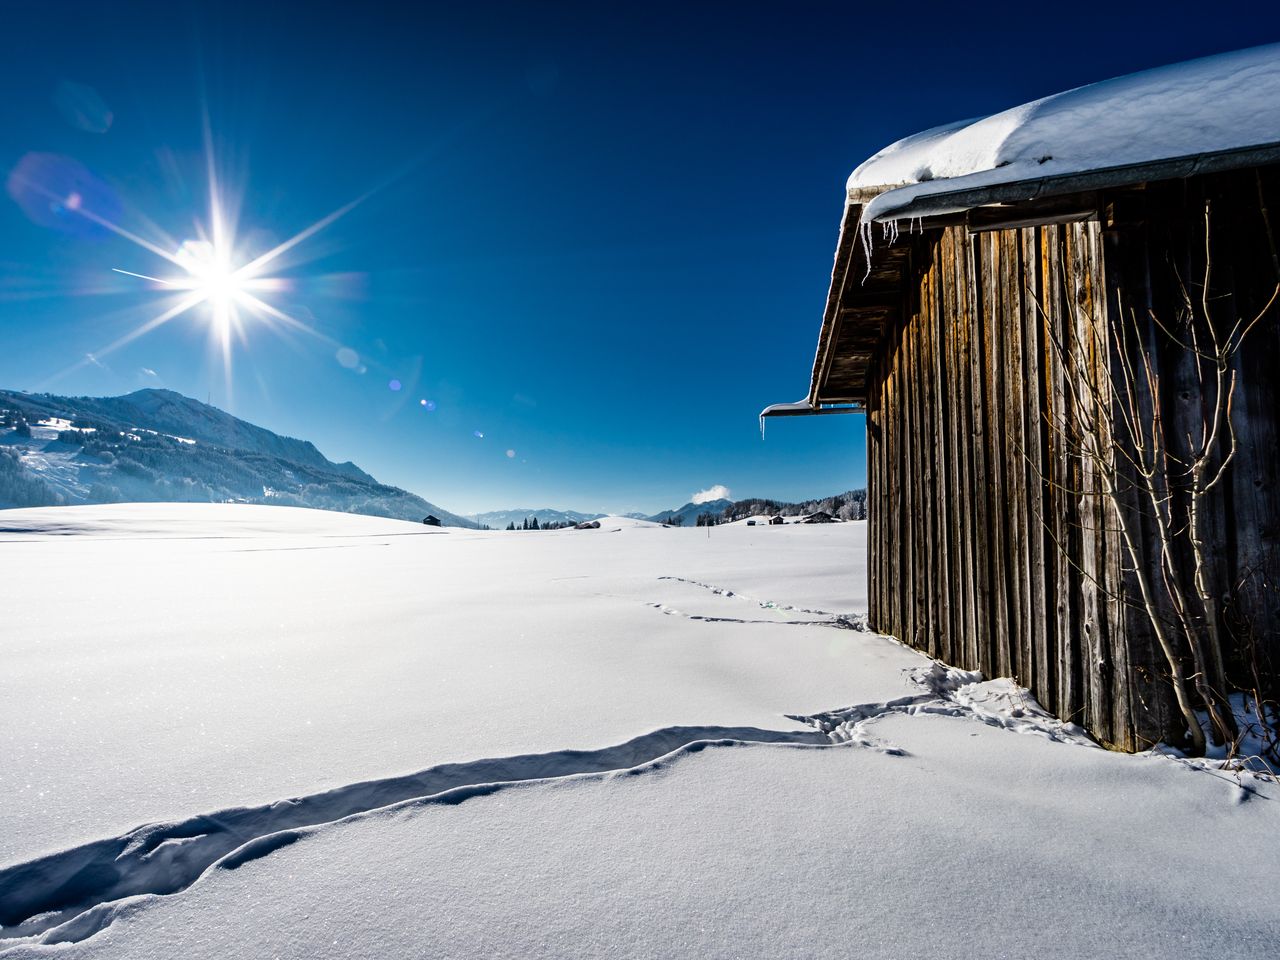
[[220, 654], [1215, 103], [258, 731]]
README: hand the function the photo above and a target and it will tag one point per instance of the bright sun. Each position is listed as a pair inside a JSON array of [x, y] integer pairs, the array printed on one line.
[[215, 271], [211, 275]]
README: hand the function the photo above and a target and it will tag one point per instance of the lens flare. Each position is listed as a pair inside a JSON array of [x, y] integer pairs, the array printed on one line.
[[214, 270]]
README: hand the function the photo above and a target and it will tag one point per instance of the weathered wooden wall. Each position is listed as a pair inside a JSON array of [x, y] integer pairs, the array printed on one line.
[[992, 547]]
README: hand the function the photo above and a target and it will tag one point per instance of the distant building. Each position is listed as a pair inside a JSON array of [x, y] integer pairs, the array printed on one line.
[[820, 517], [776, 522], [431, 521]]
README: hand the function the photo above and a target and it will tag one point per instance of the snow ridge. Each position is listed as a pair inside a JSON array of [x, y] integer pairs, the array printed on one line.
[[71, 895], [65, 896]]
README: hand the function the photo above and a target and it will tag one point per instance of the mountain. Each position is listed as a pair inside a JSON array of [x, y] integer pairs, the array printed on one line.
[[499, 519], [689, 513], [168, 412], [850, 505], [157, 445]]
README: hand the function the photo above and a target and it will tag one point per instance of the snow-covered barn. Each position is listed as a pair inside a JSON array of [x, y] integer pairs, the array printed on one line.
[[1061, 324]]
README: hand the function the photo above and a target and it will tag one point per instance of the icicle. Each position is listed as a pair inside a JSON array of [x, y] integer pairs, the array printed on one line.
[[864, 232], [762, 426]]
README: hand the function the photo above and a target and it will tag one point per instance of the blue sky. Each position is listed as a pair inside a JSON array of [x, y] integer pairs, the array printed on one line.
[[598, 235]]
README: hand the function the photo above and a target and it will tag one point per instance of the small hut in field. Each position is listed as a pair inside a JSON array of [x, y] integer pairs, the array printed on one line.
[[1061, 324]]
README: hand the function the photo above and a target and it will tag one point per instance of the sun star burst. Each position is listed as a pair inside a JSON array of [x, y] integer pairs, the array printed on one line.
[[216, 275]]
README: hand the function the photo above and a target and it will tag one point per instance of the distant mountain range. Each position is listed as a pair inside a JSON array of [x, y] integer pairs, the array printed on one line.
[[499, 519], [851, 505], [687, 515], [157, 445]]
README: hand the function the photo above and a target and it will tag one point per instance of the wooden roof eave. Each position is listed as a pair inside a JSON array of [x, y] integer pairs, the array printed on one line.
[[831, 313], [862, 302]]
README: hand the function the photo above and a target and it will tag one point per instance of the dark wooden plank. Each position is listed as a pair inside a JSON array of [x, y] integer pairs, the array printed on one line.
[[943, 607], [1063, 481], [1015, 457], [997, 455], [1042, 670], [979, 320], [959, 259]]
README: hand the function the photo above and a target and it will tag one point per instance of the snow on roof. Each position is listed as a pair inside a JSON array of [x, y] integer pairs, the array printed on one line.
[[1230, 101]]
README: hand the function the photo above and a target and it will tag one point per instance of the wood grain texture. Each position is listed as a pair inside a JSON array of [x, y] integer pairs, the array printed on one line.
[[994, 546]]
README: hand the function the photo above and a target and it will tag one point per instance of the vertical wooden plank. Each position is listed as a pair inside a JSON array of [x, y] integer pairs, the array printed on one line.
[[940, 499], [929, 461], [966, 309], [890, 495], [1041, 672], [929, 440], [981, 320], [1015, 454], [1115, 662], [1063, 481], [920, 466], [874, 479], [906, 569], [998, 500], [1098, 656], [877, 516], [909, 518], [959, 446], [951, 493]]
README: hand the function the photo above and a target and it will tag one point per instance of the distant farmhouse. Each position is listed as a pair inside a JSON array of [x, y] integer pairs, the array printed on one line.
[[1061, 324]]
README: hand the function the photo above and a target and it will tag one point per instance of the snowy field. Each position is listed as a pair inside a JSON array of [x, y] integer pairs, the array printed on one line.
[[267, 732]]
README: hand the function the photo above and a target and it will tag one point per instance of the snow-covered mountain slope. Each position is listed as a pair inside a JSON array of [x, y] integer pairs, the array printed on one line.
[[157, 445], [170, 412], [359, 738], [689, 513]]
